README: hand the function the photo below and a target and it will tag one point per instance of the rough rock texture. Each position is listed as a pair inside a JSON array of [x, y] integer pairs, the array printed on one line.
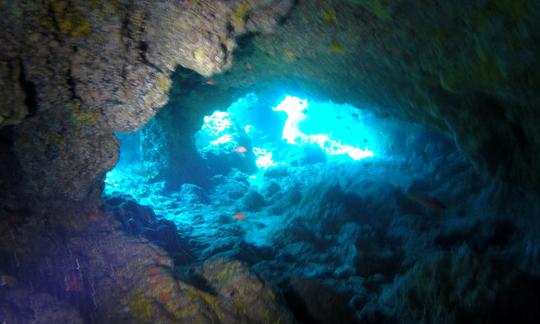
[[315, 302], [465, 69], [73, 72], [242, 294], [21, 306], [86, 69], [13, 108], [141, 220], [93, 271], [460, 287]]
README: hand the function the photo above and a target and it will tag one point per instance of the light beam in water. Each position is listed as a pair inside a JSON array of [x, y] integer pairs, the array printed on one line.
[[296, 110]]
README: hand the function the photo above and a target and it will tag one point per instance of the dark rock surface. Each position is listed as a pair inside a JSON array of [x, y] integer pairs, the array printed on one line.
[[463, 69], [462, 287], [85, 70], [98, 272]]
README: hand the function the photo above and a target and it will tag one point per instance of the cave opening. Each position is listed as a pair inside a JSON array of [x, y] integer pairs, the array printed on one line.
[[264, 142], [294, 187], [269, 161]]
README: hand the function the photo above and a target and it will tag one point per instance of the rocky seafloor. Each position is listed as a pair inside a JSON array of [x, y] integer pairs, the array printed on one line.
[[417, 235]]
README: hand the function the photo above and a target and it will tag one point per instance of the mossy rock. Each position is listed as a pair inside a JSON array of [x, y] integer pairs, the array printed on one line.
[[69, 19], [382, 9], [140, 307], [163, 83], [240, 15], [484, 73]]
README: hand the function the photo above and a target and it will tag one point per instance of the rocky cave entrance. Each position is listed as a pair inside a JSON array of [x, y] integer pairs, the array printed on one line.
[[309, 193], [248, 193]]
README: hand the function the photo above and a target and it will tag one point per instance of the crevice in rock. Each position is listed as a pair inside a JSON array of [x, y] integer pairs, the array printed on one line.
[[72, 86], [298, 307], [283, 19], [29, 88], [198, 281], [245, 45], [143, 48]]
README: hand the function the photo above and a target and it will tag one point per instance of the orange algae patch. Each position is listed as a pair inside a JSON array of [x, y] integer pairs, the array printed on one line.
[[153, 271]]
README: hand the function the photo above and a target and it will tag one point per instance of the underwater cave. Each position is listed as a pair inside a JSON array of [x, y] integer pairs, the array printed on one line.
[[269, 161]]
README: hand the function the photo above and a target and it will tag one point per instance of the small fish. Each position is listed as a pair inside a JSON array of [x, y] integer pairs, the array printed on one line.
[[249, 66], [153, 271], [240, 149], [427, 201], [211, 82], [7, 281], [239, 216]]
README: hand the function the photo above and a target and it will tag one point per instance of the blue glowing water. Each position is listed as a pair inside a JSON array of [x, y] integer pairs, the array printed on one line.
[[294, 131], [332, 127], [336, 129]]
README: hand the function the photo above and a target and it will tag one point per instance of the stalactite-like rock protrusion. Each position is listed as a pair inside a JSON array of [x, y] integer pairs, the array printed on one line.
[[91, 68]]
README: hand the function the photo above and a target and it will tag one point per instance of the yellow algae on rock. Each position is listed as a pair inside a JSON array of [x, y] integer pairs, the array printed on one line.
[[240, 15], [69, 19], [163, 82], [140, 307], [329, 16]]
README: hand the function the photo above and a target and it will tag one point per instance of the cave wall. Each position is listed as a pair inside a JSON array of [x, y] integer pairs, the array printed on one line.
[[81, 70], [75, 71], [465, 69], [72, 74]]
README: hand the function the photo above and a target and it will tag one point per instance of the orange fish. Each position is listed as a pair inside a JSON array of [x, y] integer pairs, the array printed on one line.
[[240, 149], [427, 201], [153, 271], [211, 82], [239, 216]]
